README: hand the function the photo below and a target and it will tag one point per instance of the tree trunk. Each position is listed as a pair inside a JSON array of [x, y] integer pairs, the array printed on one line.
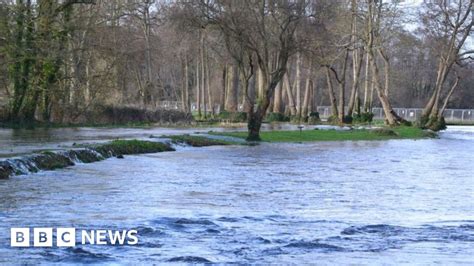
[[186, 82], [450, 93], [332, 96], [223, 89], [248, 104], [232, 91], [312, 102], [429, 110], [390, 115], [254, 125], [386, 71], [357, 66], [307, 95], [371, 93], [307, 92], [183, 84], [260, 83], [208, 85], [198, 89], [356, 63], [291, 101], [342, 88], [147, 34], [277, 99], [203, 77], [298, 84], [367, 106]]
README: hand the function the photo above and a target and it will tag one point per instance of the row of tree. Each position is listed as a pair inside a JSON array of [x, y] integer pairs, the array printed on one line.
[[62, 58]]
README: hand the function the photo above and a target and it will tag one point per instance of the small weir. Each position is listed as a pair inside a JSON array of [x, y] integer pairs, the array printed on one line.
[[49, 160]]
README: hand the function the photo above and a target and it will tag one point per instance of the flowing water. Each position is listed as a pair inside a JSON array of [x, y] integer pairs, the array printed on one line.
[[379, 202]]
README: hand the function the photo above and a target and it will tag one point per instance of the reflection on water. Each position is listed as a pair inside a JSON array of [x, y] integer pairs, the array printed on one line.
[[398, 201]]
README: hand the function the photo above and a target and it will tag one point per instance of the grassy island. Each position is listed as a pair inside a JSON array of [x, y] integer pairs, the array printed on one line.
[[197, 141], [337, 135]]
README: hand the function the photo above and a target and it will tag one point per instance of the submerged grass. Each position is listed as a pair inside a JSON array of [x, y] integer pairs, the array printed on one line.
[[197, 141], [124, 147], [336, 135]]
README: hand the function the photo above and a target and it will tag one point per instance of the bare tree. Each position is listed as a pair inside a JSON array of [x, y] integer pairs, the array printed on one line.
[[374, 42], [449, 24], [263, 31]]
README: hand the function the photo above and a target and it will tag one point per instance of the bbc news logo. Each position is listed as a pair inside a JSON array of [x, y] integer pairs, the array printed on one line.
[[66, 237]]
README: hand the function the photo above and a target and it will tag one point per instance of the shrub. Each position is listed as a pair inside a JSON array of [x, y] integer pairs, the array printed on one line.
[[433, 123], [363, 117], [240, 117], [421, 123], [277, 117], [224, 115], [3, 114], [295, 119], [235, 117], [313, 118], [347, 119], [124, 115], [406, 123], [437, 123], [333, 119]]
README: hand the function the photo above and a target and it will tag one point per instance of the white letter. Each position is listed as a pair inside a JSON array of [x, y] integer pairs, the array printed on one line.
[[66, 237], [132, 237], [43, 237], [85, 236], [20, 237], [117, 236], [101, 237]]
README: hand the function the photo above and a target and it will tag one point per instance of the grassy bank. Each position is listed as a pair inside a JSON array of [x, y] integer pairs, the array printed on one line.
[[337, 135], [48, 160], [197, 141]]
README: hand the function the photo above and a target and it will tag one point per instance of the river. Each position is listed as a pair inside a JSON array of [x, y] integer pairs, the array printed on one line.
[[379, 202]]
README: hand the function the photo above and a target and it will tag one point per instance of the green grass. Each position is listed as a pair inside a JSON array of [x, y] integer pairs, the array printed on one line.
[[197, 141], [124, 147], [333, 135]]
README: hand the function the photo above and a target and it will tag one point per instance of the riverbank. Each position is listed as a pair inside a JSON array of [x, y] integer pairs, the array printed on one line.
[[106, 116], [342, 134], [51, 160], [88, 153]]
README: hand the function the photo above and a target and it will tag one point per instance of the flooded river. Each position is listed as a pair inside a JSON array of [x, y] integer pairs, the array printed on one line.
[[383, 202]]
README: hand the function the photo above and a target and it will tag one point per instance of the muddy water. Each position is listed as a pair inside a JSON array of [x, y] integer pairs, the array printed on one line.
[[391, 202]]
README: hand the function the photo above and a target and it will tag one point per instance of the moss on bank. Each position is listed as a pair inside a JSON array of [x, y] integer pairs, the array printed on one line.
[[124, 147], [196, 141], [337, 135], [48, 160]]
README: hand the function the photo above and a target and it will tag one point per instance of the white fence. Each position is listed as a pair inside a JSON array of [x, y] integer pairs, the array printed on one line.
[[410, 114]]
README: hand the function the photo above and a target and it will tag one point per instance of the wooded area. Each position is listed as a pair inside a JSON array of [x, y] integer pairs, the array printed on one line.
[[63, 59]]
